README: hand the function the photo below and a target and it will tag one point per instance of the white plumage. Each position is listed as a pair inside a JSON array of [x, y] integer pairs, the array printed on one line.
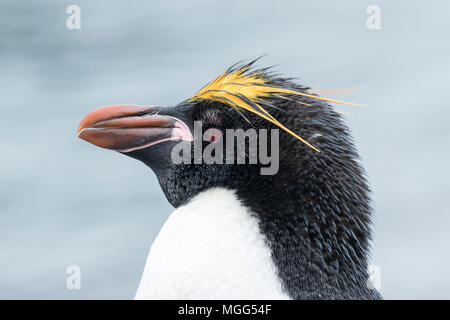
[[210, 248]]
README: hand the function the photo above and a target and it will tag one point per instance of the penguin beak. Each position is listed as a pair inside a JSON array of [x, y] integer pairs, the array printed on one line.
[[126, 128]]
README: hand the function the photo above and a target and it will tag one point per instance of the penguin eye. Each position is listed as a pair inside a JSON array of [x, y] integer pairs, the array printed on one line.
[[212, 135]]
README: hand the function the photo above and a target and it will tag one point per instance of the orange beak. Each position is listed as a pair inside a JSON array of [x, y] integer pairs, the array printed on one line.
[[126, 128]]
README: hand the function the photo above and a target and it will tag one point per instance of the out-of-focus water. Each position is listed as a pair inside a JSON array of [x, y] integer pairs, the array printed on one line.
[[65, 202]]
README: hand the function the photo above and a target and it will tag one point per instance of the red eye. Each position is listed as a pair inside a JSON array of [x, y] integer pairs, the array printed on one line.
[[212, 135]]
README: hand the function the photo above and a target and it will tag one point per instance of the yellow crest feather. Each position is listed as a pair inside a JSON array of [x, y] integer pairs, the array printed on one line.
[[244, 89]]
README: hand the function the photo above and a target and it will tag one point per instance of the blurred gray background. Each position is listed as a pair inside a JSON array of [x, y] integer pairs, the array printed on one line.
[[64, 201]]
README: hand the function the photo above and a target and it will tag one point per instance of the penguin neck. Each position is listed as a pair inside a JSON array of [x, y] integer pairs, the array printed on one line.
[[316, 219]]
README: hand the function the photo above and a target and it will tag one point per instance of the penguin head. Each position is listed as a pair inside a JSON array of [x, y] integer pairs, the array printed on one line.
[[216, 138], [185, 145]]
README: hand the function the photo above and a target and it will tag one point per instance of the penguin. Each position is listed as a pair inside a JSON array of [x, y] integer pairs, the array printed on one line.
[[302, 231]]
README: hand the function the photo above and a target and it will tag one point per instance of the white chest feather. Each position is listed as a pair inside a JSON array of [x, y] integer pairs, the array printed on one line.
[[211, 248]]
